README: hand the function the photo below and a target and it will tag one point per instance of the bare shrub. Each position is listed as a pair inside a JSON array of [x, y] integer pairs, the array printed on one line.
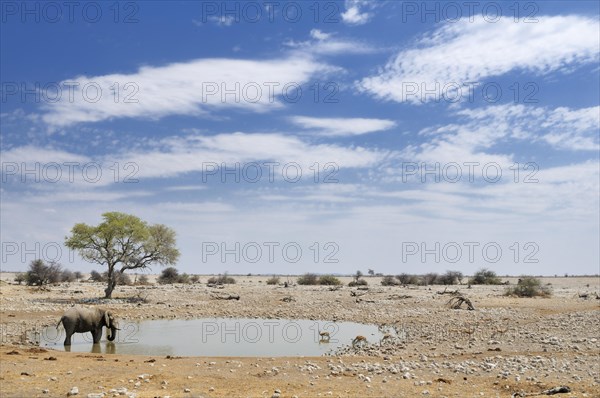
[[430, 278], [450, 278], [20, 278], [408, 279], [41, 273], [274, 280]]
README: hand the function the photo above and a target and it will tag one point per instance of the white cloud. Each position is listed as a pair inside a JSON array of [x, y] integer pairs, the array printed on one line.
[[186, 88], [473, 138], [30, 155], [324, 44], [191, 154], [342, 126], [355, 14], [319, 34], [470, 52], [174, 156], [561, 128], [572, 129]]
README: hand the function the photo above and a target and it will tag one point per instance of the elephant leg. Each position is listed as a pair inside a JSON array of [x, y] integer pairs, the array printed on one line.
[[97, 335], [68, 335]]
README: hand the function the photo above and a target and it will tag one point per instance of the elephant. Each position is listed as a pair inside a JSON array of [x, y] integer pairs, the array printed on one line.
[[82, 320]]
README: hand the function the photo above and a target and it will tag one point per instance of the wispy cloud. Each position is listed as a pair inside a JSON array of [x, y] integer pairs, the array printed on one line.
[[322, 43], [342, 126], [30, 155], [179, 155], [471, 51], [188, 88], [477, 131]]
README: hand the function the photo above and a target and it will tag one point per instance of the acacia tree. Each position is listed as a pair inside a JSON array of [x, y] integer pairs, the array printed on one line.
[[123, 242]]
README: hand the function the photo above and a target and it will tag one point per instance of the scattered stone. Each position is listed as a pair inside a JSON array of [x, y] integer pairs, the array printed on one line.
[[74, 391]]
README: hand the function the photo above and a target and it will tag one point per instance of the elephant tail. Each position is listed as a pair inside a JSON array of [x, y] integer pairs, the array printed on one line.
[[60, 321]]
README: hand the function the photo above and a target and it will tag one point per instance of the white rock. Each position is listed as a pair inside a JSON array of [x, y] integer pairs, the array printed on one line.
[[74, 391]]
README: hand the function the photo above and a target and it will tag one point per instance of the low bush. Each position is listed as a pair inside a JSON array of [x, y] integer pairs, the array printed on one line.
[[528, 286], [407, 279], [389, 280], [168, 275], [183, 278], [274, 280], [20, 278], [97, 276], [358, 282], [431, 278], [485, 277], [329, 280], [67, 276], [308, 279], [221, 280], [450, 278]]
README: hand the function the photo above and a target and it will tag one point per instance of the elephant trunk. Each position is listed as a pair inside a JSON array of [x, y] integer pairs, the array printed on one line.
[[111, 333]]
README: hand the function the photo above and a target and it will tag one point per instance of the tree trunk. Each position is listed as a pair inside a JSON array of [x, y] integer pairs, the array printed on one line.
[[112, 283]]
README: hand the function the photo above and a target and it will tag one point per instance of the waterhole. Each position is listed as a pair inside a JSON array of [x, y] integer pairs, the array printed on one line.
[[239, 337]]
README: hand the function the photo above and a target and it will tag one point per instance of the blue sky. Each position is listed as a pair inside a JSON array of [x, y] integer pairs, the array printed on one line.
[[396, 107]]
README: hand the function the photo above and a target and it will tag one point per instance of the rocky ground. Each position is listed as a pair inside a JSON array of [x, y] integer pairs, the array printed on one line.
[[507, 345]]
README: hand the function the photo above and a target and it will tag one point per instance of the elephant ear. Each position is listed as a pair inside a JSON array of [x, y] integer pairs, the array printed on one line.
[[107, 319]]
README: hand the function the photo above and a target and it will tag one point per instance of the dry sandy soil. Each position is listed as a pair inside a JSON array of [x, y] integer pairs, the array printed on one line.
[[507, 345]]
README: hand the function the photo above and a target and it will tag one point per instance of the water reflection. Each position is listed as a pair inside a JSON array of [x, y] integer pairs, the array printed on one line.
[[100, 348]]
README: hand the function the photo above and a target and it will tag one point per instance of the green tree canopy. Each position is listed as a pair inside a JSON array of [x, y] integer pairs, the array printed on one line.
[[123, 242]]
